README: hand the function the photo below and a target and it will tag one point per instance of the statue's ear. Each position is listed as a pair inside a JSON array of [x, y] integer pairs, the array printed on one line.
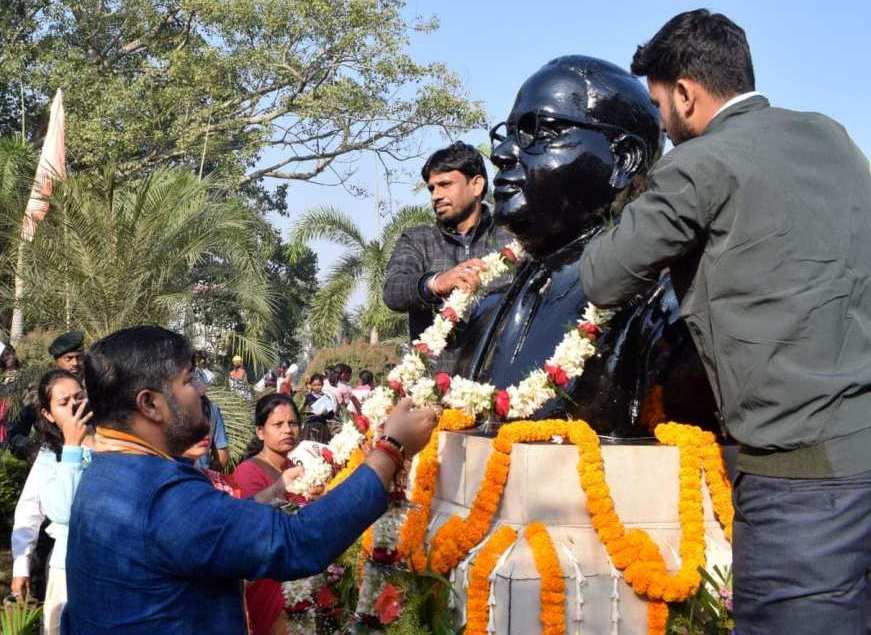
[[628, 151]]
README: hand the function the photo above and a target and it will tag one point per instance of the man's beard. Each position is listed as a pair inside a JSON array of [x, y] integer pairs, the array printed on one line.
[[183, 430], [678, 130], [458, 218]]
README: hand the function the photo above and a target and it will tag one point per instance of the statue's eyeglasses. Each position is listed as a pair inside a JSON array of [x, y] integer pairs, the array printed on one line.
[[541, 127]]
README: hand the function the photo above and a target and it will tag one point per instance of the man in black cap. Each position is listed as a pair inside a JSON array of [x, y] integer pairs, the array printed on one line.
[[67, 350]]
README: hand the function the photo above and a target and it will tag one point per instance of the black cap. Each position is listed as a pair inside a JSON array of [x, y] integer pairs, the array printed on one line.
[[68, 342]]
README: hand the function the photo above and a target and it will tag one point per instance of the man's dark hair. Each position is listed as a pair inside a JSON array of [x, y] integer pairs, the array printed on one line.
[[367, 378], [706, 47], [457, 156], [121, 365]]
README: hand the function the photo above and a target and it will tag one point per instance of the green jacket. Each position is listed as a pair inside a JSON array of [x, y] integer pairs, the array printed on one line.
[[765, 224]]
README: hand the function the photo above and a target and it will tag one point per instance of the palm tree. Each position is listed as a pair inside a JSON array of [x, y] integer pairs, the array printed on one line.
[[110, 255], [364, 264]]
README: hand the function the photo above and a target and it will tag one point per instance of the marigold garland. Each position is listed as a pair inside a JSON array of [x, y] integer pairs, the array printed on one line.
[[412, 535], [657, 617], [632, 551], [719, 485], [453, 420], [478, 593], [553, 592]]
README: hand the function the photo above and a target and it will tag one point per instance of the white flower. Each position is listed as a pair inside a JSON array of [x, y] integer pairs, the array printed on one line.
[[467, 395], [316, 472], [408, 371], [496, 267], [529, 395], [460, 301], [345, 442], [378, 405], [572, 352], [558, 439], [436, 336], [423, 393], [296, 591], [597, 316]]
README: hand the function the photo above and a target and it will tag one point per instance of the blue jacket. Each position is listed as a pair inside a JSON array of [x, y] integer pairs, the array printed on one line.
[[154, 548]]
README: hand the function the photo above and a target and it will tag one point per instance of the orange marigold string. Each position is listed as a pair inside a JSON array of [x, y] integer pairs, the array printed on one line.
[[719, 486], [412, 534], [657, 617], [553, 592], [452, 419], [478, 593]]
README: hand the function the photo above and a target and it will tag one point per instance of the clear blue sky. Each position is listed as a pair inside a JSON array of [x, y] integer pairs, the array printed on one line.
[[808, 55]]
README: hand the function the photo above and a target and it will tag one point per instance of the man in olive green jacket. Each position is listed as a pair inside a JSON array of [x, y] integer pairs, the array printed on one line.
[[763, 217]]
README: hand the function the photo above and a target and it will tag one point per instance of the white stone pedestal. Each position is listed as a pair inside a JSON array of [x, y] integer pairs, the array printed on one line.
[[543, 486]]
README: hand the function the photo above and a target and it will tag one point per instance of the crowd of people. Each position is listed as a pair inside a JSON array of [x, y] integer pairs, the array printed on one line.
[[133, 376]]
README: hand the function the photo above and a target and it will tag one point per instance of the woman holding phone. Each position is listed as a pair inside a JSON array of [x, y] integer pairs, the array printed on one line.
[[65, 441]]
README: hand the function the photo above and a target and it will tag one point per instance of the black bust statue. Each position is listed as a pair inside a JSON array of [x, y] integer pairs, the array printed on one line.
[[577, 144]]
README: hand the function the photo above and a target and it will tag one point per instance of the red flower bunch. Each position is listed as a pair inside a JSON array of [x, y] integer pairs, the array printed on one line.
[[443, 383], [388, 604], [557, 375], [327, 456], [382, 555], [589, 330], [509, 255], [362, 423], [325, 598], [501, 403], [449, 314], [423, 349], [396, 387]]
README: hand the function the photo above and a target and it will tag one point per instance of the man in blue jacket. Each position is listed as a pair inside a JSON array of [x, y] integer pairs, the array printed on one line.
[[763, 217], [153, 546]]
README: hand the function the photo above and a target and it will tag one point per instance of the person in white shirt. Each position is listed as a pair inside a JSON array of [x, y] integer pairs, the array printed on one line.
[[51, 485]]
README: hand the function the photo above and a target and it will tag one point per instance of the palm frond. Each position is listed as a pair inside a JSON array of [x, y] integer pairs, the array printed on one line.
[[238, 416], [407, 217], [327, 223], [328, 304]]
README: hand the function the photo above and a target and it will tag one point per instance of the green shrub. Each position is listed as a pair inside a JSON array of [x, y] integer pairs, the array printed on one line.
[[20, 618], [13, 473]]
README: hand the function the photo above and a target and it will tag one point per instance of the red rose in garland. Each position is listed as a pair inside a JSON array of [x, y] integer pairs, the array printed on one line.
[[443, 383], [502, 404]]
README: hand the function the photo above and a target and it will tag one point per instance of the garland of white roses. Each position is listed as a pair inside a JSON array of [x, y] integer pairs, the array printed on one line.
[[520, 401], [410, 376]]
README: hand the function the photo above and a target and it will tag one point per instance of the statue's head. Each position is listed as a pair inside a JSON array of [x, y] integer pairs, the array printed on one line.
[[580, 132]]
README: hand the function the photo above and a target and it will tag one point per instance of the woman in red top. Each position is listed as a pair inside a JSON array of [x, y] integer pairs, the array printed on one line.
[[276, 428]]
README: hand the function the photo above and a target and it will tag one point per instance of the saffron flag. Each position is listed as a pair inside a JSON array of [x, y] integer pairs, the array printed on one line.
[[51, 168]]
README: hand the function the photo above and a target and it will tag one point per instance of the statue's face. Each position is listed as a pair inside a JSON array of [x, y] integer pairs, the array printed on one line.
[[555, 163]]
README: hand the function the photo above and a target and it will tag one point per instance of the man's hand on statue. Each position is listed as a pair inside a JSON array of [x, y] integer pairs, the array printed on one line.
[[289, 475], [411, 427], [464, 276]]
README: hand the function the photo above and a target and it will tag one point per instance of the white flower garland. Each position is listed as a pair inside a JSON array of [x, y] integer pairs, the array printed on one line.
[[520, 401]]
